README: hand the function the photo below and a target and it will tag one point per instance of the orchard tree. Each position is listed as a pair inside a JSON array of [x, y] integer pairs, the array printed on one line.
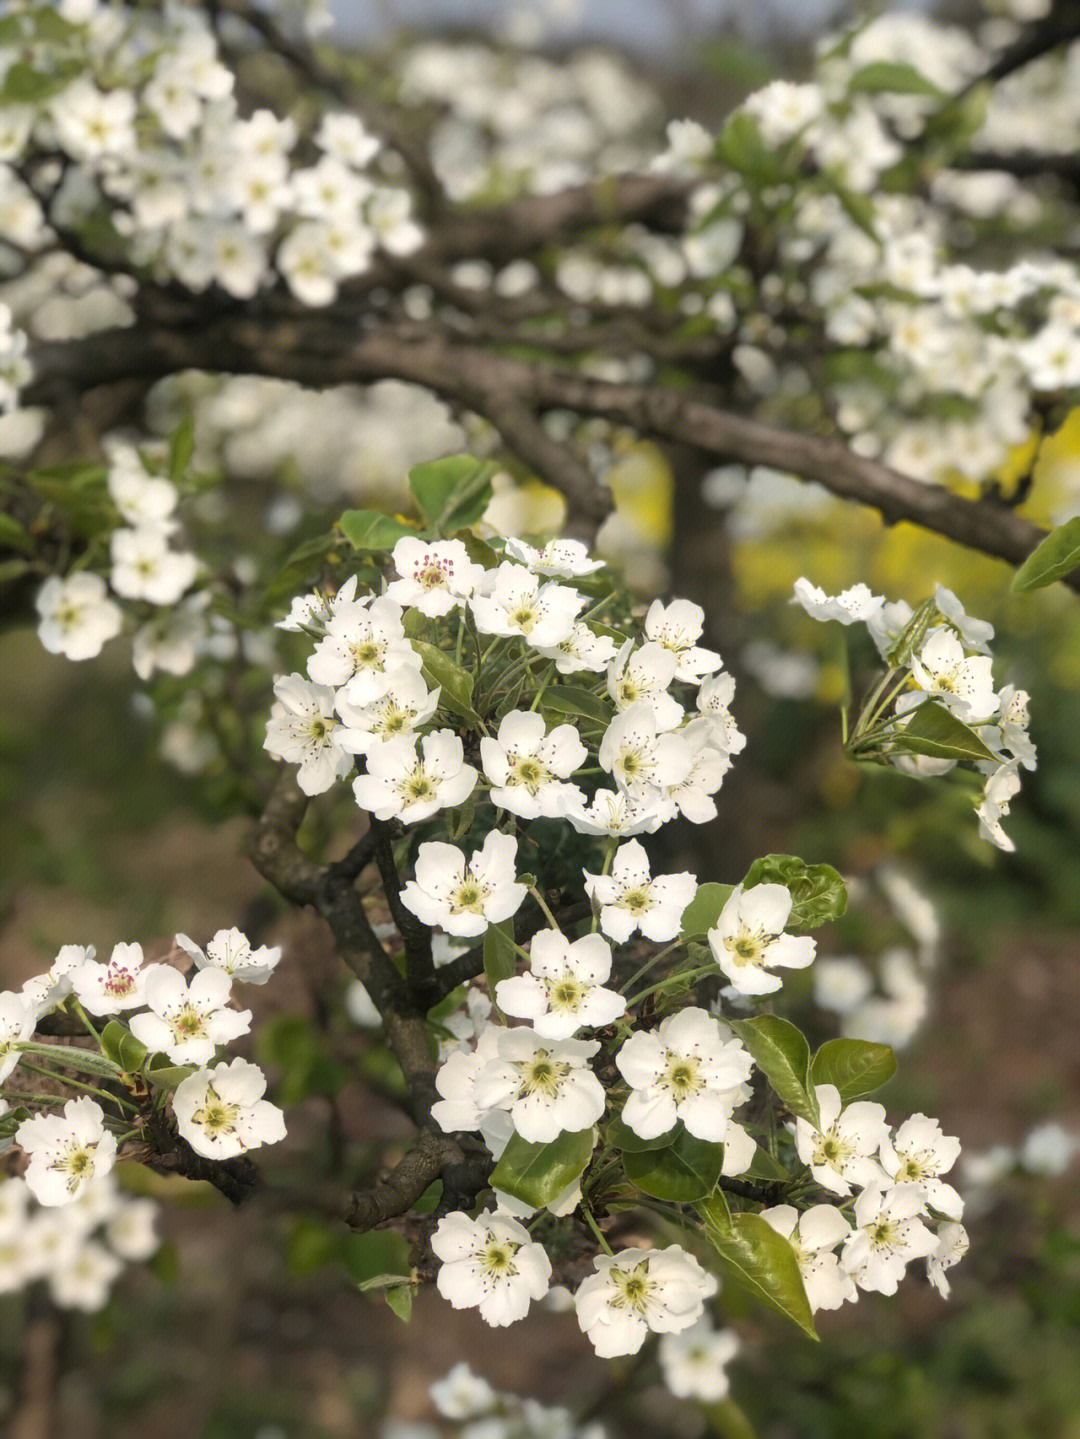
[[864, 280]]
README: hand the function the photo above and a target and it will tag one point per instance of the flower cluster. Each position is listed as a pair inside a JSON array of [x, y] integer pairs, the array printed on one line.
[[474, 1408], [153, 1029], [936, 705]]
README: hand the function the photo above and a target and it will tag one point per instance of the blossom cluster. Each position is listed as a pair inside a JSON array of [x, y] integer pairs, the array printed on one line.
[[938, 656], [159, 1028]]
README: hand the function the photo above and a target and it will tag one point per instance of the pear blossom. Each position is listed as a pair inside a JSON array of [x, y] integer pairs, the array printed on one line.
[[43, 992], [564, 989], [677, 626], [842, 1151], [582, 649], [314, 611], [642, 676], [188, 1022], [461, 895], [613, 812], [630, 898], [221, 1112], [518, 604], [363, 644], [435, 577], [145, 568], [490, 1263], [1001, 788], [565, 559], [303, 730], [83, 1279], [952, 1244], [693, 796], [963, 683], [231, 952], [544, 1083], [170, 641], [1048, 1150], [853, 606], [640, 758], [142, 499], [67, 1151], [694, 1362], [528, 767], [714, 705], [888, 1234], [77, 617], [1009, 731], [975, 634], [918, 1153], [461, 1394], [113, 987], [749, 938], [685, 1069], [458, 1107], [814, 1235], [638, 1291], [405, 705], [17, 1021], [404, 783]]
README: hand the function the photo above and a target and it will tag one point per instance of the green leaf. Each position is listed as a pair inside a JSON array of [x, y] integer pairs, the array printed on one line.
[[84, 1061], [538, 1173], [400, 1301], [452, 493], [935, 731], [725, 1420], [890, 76], [181, 449], [782, 1054], [13, 536], [372, 530], [383, 1281], [162, 1075], [751, 1250], [563, 700], [818, 894], [120, 1045], [624, 1138], [459, 821], [855, 1066], [686, 1171], [1054, 558], [456, 684], [500, 956], [764, 1166], [911, 636], [701, 914]]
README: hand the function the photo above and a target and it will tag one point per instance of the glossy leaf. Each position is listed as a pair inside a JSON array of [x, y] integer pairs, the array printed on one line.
[[681, 1174], [456, 683], [120, 1045], [1055, 558], [818, 894], [372, 530], [452, 493], [568, 700], [761, 1259], [854, 1066], [630, 1142], [538, 1173], [934, 730], [782, 1054]]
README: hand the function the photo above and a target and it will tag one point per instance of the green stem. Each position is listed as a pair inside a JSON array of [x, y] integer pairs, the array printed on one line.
[[543, 686], [542, 902], [687, 978], [77, 1007], [78, 1084], [660, 954], [591, 1222]]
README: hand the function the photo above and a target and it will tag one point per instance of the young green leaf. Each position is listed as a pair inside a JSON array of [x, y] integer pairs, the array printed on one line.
[[701, 914], [934, 730], [755, 1254], [782, 1054], [854, 1066], [684, 1172], [538, 1173], [372, 530], [456, 683], [400, 1301], [452, 493], [1053, 559], [818, 894], [630, 1142], [120, 1045]]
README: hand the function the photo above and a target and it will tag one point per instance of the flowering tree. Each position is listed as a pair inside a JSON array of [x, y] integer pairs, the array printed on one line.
[[605, 1097]]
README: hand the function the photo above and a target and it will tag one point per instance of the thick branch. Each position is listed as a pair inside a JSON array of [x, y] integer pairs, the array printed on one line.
[[398, 1190]]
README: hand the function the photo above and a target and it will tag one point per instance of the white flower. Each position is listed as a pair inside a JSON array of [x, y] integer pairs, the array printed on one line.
[[144, 568], [142, 499], [545, 1084], [315, 611], [490, 1263], [403, 783], [918, 1153], [518, 604], [402, 708], [303, 730], [714, 704], [638, 1290], [434, 578], [17, 1020], [171, 640], [813, 1235], [852, 606], [563, 558], [678, 626], [843, 1151], [461, 895], [363, 645], [630, 898], [231, 952], [528, 767], [113, 987], [461, 1394], [1048, 1150], [642, 677], [694, 1362], [65, 1153], [45, 991], [188, 1022], [613, 812], [692, 795], [1010, 730], [221, 1112], [1001, 788], [963, 683], [686, 1069], [456, 1081], [888, 1235], [563, 991], [77, 618], [83, 1278], [749, 938], [975, 634], [582, 649], [639, 758], [841, 983], [952, 1244]]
